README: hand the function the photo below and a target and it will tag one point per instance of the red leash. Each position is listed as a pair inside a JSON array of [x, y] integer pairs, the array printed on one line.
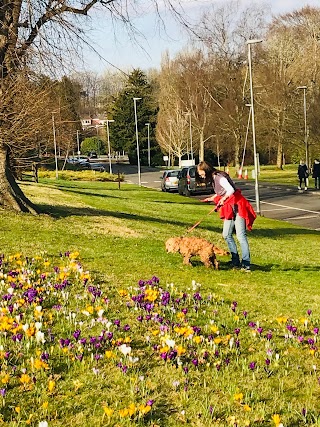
[[199, 222]]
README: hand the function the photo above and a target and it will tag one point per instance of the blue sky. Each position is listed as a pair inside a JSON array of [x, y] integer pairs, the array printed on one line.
[[116, 47]]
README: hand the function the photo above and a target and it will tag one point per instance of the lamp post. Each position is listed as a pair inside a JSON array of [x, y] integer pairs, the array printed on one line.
[[149, 160], [305, 123], [78, 143], [55, 144], [108, 139], [170, 142], [137, 137], [256, 171], [190, 133]]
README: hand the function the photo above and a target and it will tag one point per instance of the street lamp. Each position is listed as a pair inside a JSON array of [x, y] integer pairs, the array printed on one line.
[[148, 125], [78, 143], [55, 144], [137, 137], [305, 123], [249, 43], [170, 142], [190, 131], [108, 139]]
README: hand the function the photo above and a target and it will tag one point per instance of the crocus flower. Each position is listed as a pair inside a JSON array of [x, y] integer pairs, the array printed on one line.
[[252, 365]]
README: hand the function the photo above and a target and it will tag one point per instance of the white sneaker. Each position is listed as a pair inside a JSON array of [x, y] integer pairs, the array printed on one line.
[[299, 188], [306, 188]]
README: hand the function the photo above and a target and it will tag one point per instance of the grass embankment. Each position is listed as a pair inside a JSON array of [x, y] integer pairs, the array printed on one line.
[[270, 173], [204, 347]]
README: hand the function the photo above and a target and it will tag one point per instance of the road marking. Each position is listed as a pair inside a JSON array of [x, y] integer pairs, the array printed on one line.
[[286, 207], [301, 217], [272, 210], [157, 181]]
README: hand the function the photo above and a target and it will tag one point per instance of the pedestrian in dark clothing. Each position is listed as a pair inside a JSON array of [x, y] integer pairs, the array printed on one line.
[[316, 174], [303, 174]]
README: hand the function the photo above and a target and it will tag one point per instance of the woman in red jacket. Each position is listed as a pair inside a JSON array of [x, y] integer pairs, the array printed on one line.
[[235, 210]]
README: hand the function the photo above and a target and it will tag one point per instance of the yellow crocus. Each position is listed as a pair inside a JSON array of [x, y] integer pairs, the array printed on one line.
[[238, 397], [123, 412], [109, 354], [51, 385], [276, 419], [25, 379], [197, 339], [107, 411], [5, 379]]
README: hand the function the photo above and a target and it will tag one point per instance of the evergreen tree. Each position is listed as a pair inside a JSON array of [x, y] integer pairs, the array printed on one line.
[[123, 130]]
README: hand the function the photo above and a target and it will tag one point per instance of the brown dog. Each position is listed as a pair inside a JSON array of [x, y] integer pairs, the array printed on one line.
[[190, 246]]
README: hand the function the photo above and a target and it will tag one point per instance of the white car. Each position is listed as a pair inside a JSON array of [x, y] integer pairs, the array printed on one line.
[[170, 180], [77, 159]]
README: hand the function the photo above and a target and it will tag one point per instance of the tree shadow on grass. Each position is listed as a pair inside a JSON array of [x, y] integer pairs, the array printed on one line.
[[276, 267], [267, 268], [66, 211]]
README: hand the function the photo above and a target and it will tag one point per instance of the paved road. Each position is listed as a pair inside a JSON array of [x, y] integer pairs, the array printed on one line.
[[281, 202]]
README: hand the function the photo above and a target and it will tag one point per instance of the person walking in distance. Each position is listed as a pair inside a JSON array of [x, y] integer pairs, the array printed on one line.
[[316, 174], [235, 210], [303, 174]]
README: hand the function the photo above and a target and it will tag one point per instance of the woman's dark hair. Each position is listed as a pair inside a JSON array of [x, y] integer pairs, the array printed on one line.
[[208, 169]]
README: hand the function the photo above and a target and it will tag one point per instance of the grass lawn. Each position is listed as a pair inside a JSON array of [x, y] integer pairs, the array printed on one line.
[[201, 347]]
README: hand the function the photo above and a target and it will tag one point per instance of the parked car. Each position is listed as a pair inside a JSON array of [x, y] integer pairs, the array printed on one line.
[[77, 159], [169, 180], [188, 186], [100, 167]]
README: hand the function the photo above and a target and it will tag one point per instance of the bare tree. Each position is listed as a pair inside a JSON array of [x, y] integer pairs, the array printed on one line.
[[294, 56], [34, 31]]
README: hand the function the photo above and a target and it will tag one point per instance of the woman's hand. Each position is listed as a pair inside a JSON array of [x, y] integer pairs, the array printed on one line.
[[208, 199]]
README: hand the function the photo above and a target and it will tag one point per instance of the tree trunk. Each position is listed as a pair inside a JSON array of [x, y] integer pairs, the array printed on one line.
[[279, 155], [11, 196], [201, 147]]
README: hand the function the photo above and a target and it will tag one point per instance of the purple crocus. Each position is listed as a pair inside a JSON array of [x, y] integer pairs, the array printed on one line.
[[252, 365], [195, 362], [269, 335]]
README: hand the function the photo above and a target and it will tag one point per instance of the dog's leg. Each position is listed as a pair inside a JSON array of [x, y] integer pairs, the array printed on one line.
[[214, 261], [206, 260], [186, 260]]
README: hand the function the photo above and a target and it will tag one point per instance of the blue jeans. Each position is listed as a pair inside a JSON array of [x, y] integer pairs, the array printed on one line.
[[239, 224]]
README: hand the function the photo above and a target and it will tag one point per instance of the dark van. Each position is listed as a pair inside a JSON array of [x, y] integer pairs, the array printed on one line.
[[188, 186]]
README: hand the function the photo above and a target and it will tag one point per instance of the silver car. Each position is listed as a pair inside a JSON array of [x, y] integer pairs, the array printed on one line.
[[170, 180]]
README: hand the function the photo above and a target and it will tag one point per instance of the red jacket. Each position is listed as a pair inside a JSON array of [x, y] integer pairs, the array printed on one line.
[[245, 210]]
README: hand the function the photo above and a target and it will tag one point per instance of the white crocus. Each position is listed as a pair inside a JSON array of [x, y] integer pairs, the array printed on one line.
[[38, 325], [125, 350], [170, 343], [40, 337]]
